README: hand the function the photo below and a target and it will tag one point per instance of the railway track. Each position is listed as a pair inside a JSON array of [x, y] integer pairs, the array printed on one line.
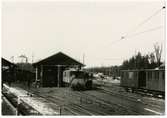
[[141, 92], [90, 110], [75, 109], [137, 99], [110, 92], [146, 102], [87, 103], [94, 109], [101, 102], [111, 105], [140, 109], [143, 97]]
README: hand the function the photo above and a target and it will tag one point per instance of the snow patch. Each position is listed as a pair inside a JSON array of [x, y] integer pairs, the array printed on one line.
[[37, 103]]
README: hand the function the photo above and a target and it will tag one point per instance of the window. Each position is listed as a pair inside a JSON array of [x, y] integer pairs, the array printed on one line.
[[122, 74], [156, 75], [163, 75], [130, 75], [64, 74], [149, 75]]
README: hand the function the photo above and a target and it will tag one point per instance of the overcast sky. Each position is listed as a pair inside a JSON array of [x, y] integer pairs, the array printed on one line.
[[43, 28]]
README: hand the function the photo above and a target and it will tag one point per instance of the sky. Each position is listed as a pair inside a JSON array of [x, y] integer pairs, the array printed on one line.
[[92, 28]]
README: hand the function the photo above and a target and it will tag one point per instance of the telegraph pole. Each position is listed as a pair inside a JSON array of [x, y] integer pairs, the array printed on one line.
[[83, 58], [32, 58]]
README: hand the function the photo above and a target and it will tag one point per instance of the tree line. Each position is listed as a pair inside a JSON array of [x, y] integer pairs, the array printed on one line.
[[138, 61]]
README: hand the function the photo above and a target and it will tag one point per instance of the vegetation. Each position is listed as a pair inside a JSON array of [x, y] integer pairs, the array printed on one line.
[[148, 61], [138, 61], [25, 66]]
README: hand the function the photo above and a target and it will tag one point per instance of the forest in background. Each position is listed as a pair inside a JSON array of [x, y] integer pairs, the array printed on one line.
[[138, 61]]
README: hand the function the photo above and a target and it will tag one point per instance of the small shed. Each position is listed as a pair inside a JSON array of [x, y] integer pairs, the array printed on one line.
[[49, 71], [8, 69], [6, 64]]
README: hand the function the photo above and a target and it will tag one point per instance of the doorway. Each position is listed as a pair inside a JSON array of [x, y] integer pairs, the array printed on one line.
[[142, 79]]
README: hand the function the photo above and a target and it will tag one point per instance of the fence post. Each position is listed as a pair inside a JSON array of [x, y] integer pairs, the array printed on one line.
[[60, 110], [18, 104]]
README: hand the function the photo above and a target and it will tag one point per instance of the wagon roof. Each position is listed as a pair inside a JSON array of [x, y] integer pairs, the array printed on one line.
[[142, 70], [58, 59], [162, 66]]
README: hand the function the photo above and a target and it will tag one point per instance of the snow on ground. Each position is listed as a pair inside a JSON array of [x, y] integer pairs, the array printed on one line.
[[110, 80], [39, 104]]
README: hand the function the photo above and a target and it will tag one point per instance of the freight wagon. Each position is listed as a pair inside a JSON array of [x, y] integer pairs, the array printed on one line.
[[152, 80]]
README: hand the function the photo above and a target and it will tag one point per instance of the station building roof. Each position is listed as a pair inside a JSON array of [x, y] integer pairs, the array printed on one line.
[[6, 62], [58, 59]]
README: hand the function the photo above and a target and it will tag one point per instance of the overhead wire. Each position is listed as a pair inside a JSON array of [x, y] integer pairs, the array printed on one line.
[[136, 34], [139, 25], [148, 30], [145, 21]]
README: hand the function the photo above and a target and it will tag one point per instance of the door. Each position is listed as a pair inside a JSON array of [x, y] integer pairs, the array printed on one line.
[[142, 79], [49, 76]]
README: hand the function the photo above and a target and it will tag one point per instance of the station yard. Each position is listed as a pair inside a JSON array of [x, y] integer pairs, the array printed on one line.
[[107, 99]]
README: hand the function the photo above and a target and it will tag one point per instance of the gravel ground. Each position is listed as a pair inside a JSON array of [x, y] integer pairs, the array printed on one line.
[[96, 102]]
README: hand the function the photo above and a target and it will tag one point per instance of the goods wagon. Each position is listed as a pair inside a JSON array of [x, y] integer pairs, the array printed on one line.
[[148, 79], [77, 79]]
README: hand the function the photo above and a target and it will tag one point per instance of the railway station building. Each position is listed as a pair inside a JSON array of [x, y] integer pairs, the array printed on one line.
[[49, 71]]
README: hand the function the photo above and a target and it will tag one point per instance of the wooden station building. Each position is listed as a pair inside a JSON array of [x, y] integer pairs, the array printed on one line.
[[49, 71]]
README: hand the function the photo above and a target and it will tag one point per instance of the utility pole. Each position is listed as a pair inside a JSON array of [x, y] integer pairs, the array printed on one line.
[[32, 58], [83, 58]]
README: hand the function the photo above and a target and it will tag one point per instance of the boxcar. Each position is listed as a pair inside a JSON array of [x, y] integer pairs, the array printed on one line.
[[155, 80], [149, 79]]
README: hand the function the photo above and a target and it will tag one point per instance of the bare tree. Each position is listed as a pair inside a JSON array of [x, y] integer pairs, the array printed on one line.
[[158, 53], [152, 58]]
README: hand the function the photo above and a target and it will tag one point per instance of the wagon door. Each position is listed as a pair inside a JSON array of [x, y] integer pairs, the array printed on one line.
[[142, 79]]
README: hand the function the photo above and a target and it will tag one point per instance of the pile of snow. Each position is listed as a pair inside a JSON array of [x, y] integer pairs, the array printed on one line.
[[42, 107], [110, 80]]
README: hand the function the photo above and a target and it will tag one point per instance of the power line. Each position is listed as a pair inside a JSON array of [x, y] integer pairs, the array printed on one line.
[[136, 34], [139, 25], [148, 30], [143, 22]]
